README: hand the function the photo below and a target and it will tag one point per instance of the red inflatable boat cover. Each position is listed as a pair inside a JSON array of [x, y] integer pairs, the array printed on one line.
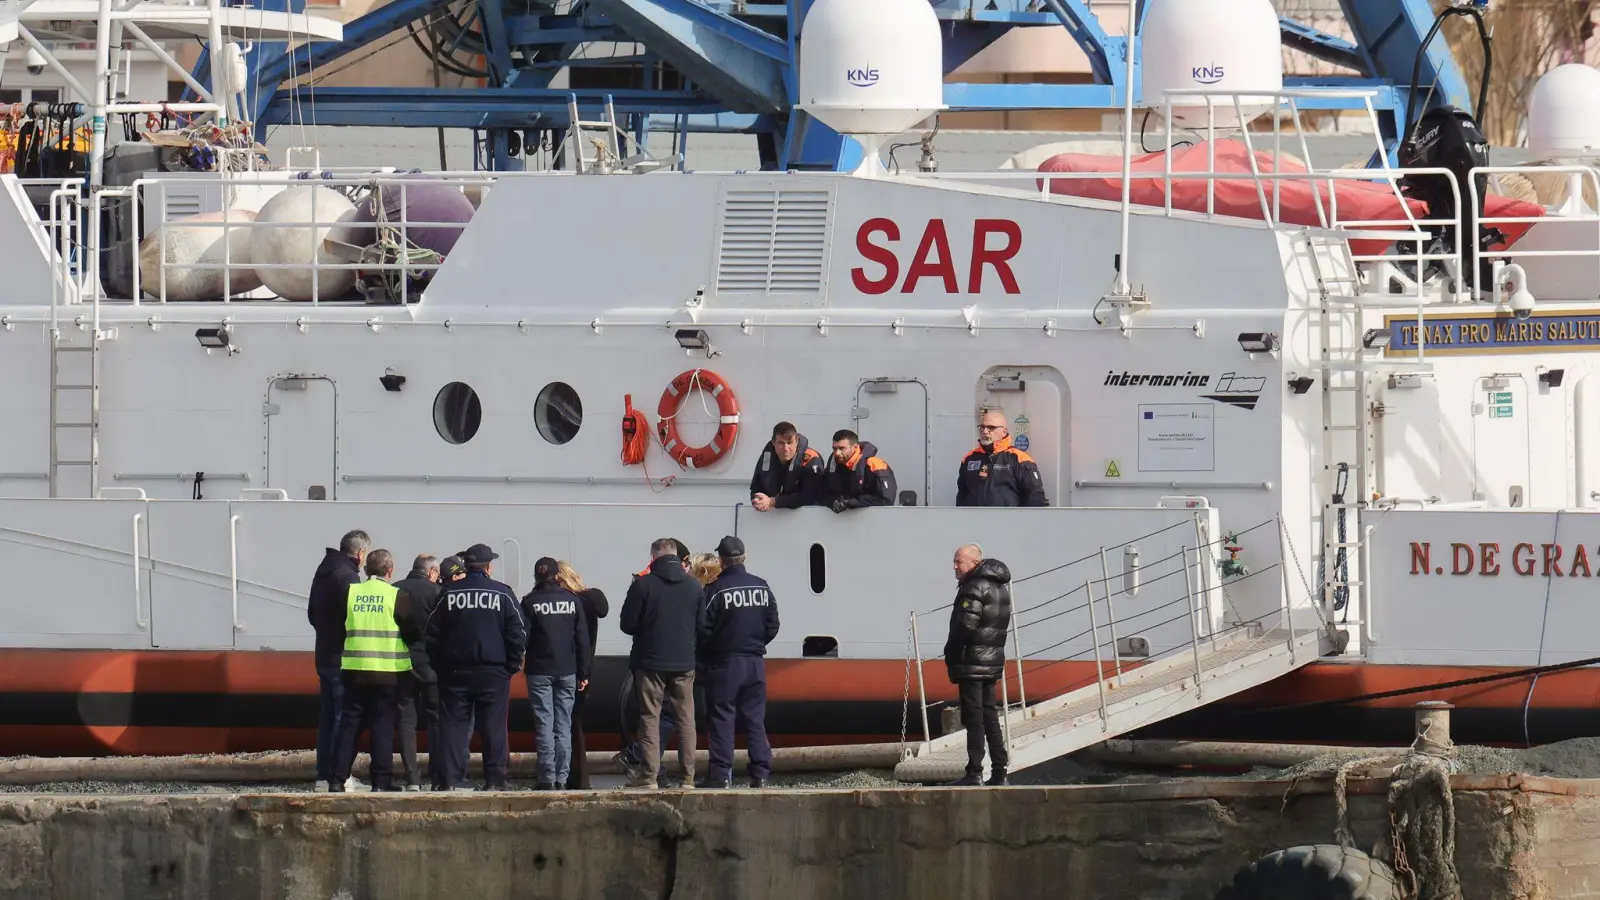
[[1359, 201]]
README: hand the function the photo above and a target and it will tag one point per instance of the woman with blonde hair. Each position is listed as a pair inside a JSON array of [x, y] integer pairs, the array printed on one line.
[[595, 608], [705, 567]]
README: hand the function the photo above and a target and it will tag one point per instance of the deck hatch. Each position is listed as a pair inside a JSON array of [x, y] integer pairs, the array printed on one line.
[[772, 241]]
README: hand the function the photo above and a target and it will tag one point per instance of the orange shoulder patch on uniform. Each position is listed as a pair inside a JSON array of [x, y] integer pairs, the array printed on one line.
[[876, 464], [1022, 456], [810, 455]]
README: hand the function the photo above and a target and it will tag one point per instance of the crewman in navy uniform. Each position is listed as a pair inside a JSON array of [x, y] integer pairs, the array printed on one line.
[[737, 622], [996, 473], [855, 476], [787, 472], [475, 639]]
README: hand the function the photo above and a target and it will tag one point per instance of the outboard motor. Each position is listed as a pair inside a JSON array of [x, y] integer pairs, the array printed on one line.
[[1450, 138]]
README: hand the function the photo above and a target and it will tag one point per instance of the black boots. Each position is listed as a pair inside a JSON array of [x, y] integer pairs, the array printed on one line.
[[997, 778]]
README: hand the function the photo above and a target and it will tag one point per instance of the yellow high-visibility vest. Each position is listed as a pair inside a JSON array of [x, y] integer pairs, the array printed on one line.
[[372, 640]]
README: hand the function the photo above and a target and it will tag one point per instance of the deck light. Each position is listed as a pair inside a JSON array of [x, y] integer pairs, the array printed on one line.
[[1301, 383], [1258, 342], [1376, 338], [1552, 377], [695, 339], [391, 380], [213, 338]]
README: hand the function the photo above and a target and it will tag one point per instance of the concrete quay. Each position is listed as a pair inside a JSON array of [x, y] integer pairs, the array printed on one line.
[[1519, 838]]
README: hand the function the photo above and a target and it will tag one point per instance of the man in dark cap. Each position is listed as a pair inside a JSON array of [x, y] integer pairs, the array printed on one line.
[[737, 622], [475, 640]]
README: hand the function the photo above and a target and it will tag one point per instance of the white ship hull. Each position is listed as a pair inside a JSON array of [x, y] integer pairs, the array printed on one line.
[[896, 307]]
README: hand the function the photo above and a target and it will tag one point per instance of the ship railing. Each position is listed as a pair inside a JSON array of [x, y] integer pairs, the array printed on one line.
[[1079, 625], [328, 244], [59, 225]]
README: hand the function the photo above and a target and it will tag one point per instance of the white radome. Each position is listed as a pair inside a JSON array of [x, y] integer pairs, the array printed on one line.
[[1563, 115], [1214, 45], [873, 68]]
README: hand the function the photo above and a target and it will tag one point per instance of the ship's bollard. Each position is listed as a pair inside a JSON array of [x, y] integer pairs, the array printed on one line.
[[1433, 728], [950, 719]]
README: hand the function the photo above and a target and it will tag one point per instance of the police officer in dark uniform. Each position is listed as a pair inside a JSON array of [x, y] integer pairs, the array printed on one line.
[[737, 622], [475, 639]]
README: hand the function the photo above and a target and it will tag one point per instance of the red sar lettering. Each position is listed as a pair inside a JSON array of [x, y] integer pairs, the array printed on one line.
[[933, 258]]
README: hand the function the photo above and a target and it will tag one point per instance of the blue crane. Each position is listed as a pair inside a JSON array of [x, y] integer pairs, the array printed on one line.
[[729, 65]]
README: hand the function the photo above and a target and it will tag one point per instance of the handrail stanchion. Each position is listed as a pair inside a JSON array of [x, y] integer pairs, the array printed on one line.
[[1099, 668], [138, 577], [233, 568], [1287, 607], [1005, 708], [922, 689], [1194, 620], [1016, 649], [1111, 614]]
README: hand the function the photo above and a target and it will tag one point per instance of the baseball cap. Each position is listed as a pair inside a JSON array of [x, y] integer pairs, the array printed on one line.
[[545, 569], [478, 553], [730, 547], [451, 566]]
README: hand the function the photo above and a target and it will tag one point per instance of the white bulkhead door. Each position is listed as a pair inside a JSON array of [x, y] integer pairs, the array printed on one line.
[[892, 413], [1500, 436], [302, 437], [1586, 443], [1034, 399]]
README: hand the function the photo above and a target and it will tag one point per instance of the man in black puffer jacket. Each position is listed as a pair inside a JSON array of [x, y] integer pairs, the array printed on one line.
[[975, 655]]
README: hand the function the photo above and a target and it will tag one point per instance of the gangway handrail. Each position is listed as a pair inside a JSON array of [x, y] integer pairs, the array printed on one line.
[[1191, 563]]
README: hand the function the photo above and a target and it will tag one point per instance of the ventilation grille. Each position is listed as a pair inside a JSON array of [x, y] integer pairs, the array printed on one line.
[[773, 242], [181, 204]]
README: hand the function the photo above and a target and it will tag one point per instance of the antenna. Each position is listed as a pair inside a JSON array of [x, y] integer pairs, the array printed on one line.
[[1121, 297]]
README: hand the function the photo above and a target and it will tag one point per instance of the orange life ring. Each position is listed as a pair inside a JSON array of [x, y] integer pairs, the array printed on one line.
[[727, 411]]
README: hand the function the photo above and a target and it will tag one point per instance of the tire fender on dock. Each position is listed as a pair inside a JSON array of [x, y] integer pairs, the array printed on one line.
[[1317, 872]]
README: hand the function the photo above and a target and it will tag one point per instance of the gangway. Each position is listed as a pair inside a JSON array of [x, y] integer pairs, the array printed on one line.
[[1120, 697]]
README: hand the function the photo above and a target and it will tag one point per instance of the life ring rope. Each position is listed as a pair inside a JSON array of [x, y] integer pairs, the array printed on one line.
[[672, 399]]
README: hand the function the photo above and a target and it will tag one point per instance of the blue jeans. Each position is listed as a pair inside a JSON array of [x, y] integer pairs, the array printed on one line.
[[330, 700], [551, 697]]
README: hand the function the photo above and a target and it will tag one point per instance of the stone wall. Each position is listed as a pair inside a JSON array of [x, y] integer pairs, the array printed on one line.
[[1518, 838]]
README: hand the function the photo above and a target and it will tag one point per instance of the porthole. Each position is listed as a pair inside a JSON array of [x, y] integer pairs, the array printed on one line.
[[558, 413], [457, 412], [819, 569]]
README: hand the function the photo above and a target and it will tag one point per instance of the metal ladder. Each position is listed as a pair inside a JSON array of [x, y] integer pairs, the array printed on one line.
[[577, 133], [75, 373], [1347, 408]]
